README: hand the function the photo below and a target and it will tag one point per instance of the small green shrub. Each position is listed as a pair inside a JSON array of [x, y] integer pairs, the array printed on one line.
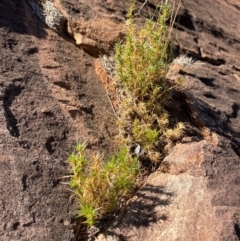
[[142, 64], [143, 60], [99, 184]]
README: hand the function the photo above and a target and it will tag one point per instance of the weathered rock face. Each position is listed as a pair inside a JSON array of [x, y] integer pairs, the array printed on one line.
[[51, 95], [177, 202], [91, 24], [195, 193]]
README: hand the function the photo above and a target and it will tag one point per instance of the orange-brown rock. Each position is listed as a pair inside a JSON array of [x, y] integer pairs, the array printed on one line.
[[51, 95], [195, 194], [92, 30], [50, 98]]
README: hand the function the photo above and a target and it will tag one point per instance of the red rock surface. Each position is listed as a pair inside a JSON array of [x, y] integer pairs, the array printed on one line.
[[51, 95]]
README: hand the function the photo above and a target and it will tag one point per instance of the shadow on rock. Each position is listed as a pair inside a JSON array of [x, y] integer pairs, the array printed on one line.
[[15, 14], [143, 211]]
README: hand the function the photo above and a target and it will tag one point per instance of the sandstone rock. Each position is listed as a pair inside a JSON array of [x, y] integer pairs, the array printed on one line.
[[177, 201], [50, 96], [195, 193], [95, 36], [93, 31], [174, 206], [89, 24]]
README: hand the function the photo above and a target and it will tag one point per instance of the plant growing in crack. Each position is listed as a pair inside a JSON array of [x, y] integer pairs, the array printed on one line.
[[142, 64], [98, 184]]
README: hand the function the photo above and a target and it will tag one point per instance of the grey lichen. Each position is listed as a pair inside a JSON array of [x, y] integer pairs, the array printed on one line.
[[48, 14]]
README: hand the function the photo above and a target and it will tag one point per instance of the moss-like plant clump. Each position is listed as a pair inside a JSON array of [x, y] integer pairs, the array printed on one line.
[[99, 184], [142, 64]]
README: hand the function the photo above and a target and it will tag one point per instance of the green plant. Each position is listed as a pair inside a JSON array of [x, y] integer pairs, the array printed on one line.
[[142, 64], [99, 184], [143, 61]]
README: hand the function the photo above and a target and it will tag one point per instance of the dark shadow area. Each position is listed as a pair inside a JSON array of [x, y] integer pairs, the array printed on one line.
[[237, 230], [214, 62], [24, 182], [209, 96], [236, 148], [142, 212], [207, 81], [15, 225], [185, 20], [49, 145], [217, 33], [14, 15], [113, 234], [10, 94], [234, 114], [180, 111]]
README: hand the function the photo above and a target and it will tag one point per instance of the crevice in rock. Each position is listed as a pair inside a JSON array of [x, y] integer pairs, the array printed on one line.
[[27, 224], [206, 28], [217, 33], [17, 79], [185, 20], [214, 62], [183, 72], [15, 225], [62, 85], [226, 73], [32, 51], [51, 67], [237, 230], [207, 81], [49, 145], [236, 68], [24, 144], [209, 95], [88, 109], [10, 94], [10, 43], [234, 114], [73, 113], [24, 182], [235, 148]]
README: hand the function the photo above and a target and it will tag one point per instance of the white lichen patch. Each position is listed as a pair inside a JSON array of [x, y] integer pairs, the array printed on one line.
[[184, 60], [48, 14]]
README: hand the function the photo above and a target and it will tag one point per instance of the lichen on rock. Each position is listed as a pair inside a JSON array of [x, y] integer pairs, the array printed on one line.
[[48, 14]]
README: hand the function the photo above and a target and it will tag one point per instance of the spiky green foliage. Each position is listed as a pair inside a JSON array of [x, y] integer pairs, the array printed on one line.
[[143, 60], [99, 184], [142, 65]]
